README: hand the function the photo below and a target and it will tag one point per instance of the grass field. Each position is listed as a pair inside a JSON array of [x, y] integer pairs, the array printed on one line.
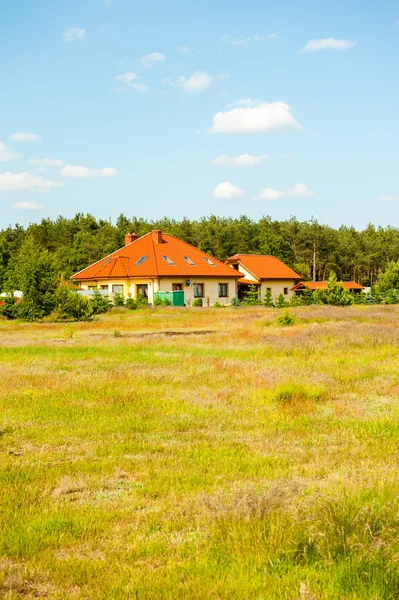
[[240, 461]]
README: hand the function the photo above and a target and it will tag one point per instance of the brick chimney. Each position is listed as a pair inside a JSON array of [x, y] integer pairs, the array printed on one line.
[[130, 237], [157, 236]]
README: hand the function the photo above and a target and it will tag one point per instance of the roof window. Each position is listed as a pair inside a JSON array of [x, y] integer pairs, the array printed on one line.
[[107, 262], [208, 260], [190, 262], [140, 260], [168, 260]]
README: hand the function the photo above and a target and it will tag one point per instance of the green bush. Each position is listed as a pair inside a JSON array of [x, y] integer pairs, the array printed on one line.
[[218, 305], [80, 307], [268, 299], [286, 319], [198, 302], [157, 300], [235, 303], [281, 303], [142, 301], [99, 303], [9, 307], [118, 299], [131, 303], [289, 393], [252, 296]]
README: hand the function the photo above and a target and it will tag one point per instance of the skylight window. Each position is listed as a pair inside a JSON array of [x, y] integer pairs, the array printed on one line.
[[208, 260], [107, 263], [168, 260], [190, 262], [140, 260]]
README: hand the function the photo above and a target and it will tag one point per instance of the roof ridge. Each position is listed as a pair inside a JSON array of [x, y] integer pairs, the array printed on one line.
[[108, 256], [197, 249]]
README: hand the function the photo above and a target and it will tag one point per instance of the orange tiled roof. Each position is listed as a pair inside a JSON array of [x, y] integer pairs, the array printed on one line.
[[322, 285], [263, 266], [247, 281], [155, 245]]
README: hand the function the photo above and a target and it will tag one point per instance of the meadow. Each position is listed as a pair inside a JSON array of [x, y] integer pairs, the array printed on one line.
[[201, 453]]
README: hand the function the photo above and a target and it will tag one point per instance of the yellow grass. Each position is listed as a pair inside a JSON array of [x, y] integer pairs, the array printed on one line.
[[201, 453]]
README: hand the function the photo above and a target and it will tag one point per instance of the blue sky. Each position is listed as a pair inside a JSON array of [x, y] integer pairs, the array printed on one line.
[[190, 109]]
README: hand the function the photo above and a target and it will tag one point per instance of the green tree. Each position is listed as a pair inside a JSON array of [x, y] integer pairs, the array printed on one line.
[[34, 272], [389, 279], [268, 299]]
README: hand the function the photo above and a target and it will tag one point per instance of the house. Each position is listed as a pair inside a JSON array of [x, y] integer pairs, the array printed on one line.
[[160, 262], [267, 272], [351, 286]]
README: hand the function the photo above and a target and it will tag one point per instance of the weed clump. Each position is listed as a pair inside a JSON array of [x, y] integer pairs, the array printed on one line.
[[294, 393], [286, 319]]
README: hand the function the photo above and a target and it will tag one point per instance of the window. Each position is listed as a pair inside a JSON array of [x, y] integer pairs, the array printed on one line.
[[176, 287], [235, 267], [104, 287], [269, 290], [169, 260], [140, 260], [142, 290], [190, 262], [208, 260], [198, 290], [117, 289], [223, 290], [285, 291], [92, 287]]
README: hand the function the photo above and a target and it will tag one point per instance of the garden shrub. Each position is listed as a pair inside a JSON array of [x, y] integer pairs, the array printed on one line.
[[286, 319], [198, 302]]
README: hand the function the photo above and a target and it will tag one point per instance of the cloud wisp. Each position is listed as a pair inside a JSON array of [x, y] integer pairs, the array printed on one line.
[[299, 190], [25, 137], [78, 172], [6, 154], [11, 182], [46, 162], [132, 81], [243, 160], [261, 117], [26, 205], [328, 44], [243, 42], [227, 191], [198, 82], [71, 34], [149, 60]]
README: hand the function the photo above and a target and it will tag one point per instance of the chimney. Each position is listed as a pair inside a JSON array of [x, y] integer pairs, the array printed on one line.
[[157, 236], [130, 237]]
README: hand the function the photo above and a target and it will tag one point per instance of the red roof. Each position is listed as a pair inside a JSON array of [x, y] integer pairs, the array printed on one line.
[[322, 285], [181, 260], [263, 267]]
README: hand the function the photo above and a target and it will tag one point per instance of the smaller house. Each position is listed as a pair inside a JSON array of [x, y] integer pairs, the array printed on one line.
[[299, 288], [268, 273]]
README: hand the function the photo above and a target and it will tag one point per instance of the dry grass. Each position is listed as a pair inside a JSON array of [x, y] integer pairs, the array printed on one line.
[[243, 460]]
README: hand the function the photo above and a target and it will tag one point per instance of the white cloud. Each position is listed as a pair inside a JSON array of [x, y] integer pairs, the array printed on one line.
[[149, 60], [198, 82], [387, 198], [266, 116], [243, 160], [130, 81], [25, 137], [327, 43], [6, 154], [269, 194], [10, 182], [70, 34], [183, 49], [78, 172], [243, 42], [228, 191], [45, 162], [27, 205], [299, 190]]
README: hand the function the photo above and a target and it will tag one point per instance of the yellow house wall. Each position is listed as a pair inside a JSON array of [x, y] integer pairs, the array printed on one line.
[[165, 284], [277, 287]]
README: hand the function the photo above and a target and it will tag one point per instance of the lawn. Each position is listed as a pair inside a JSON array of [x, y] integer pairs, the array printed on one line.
[[201, 453]]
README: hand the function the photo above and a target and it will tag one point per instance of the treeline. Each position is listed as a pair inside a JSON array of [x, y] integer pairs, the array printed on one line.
[[72, 244]]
